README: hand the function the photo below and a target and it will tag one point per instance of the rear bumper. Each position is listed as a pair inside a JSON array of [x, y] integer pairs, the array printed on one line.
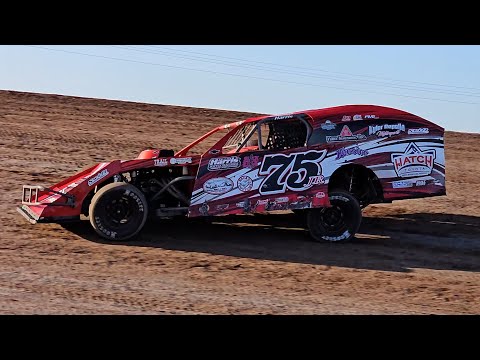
[[34, 218]]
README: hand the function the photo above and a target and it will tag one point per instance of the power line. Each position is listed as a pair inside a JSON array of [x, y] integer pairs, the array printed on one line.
[[246, 76], [316, 69], [309, 75]]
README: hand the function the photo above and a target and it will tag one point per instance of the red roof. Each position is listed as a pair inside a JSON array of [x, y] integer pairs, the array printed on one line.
[[351, 110], [367, 112]]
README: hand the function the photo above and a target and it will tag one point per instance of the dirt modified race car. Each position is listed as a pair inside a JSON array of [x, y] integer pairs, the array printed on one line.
[[325, 164]]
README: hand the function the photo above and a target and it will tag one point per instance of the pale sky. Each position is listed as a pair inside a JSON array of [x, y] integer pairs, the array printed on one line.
[[439, 83]]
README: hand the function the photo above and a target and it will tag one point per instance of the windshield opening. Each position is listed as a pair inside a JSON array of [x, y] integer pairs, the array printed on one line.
[[241, 136]]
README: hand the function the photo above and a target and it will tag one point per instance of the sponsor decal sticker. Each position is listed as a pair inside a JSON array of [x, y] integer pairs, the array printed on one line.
[[341, 153], [282, 199], [218, 186], [230, 162], [98, 177], [357, 117], [346, 118], [244, 183], [328, 125], [371, 117], [386, 130], [388, 133], [222, 207], [303, 202], [203, 209], [260, 202], [320, 195], [345, 135], [401, 184], [408, 183], [413, 162], [160, 162], [275, 205], [181, 161], [251, 161], [283, 117], [214, 151], [346, 131], [418, 131], [245, 205]]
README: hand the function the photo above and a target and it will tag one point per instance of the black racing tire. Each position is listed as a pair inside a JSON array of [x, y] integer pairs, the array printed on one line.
[[118, 211], [338, 223]]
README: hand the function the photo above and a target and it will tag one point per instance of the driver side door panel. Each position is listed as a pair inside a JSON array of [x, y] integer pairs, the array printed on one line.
[[259, 181]]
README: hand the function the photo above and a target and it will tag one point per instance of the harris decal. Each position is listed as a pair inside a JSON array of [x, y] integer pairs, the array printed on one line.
[[224, 163]]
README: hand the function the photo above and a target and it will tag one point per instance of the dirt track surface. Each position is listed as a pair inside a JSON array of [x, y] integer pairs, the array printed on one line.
[[412, 257]]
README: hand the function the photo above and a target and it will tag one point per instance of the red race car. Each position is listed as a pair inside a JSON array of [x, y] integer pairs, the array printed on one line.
[[325, 164]]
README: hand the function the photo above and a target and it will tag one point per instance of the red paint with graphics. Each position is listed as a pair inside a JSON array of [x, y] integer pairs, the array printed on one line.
[[325, 164]]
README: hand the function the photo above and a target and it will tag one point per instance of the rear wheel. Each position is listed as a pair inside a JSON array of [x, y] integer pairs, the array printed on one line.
[[337, 223], [118, 211]]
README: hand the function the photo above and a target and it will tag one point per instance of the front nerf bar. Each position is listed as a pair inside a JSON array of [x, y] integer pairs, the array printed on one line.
[[30, 195]]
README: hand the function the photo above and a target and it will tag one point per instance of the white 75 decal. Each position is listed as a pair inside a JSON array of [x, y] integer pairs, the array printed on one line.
[[296, 171]]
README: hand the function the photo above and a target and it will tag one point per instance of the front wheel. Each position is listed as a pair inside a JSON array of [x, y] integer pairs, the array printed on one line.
[[337, 223], [118, 211]]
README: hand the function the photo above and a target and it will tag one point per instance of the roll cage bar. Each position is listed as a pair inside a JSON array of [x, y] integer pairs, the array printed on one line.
[[257, 128]]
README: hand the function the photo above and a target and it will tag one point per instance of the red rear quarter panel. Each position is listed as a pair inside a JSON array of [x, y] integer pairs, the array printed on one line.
[[405, 151]]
